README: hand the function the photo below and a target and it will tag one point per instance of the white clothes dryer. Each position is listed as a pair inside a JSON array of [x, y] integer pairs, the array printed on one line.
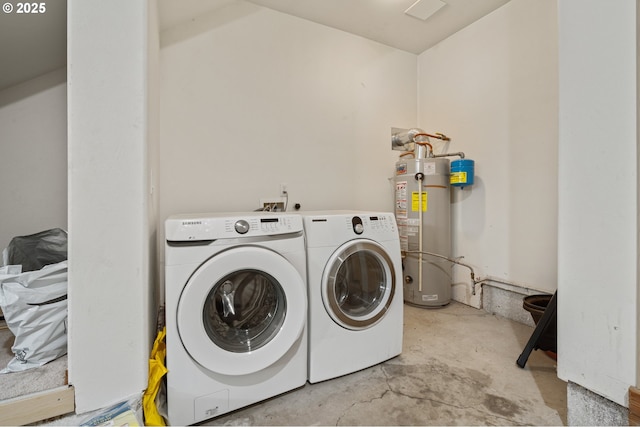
[[354, 273], [236, 311]]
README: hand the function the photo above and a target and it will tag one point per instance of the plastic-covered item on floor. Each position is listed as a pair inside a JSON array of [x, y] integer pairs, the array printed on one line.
[[37, 250], [35, 310], [152, 407], [127, 413]]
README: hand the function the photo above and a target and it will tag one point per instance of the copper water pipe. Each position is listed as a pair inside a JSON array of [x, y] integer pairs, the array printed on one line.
[[438, 135]]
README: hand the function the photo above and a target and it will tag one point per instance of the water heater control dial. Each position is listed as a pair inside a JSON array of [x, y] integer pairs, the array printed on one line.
[[241, 226]]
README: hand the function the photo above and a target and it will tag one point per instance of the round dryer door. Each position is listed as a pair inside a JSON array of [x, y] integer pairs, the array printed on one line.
[[242, 310], [358, 284]]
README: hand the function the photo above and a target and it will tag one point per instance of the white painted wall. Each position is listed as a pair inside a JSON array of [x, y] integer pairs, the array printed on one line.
[[252, 98], [153, 160], [109, 200], [33, 156], [493, 88], [598, 190]]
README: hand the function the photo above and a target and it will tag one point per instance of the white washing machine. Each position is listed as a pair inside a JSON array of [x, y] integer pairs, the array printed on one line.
[[236, 311], [354, 273]]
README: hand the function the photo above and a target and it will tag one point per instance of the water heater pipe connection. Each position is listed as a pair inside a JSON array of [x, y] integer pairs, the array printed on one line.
[[459, 154], [402, 139], [407, 139], [421, 154], [438, 135], [455, 261], [475, 281]]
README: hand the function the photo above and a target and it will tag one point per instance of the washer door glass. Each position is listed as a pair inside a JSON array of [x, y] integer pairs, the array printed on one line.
[[242, 310], [358, 284]]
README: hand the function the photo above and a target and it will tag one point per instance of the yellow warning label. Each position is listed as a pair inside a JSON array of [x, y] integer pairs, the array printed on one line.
[[415, 201], [458, 178]]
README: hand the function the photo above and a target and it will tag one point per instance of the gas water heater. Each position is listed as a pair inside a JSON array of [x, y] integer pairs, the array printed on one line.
[[423, 212]]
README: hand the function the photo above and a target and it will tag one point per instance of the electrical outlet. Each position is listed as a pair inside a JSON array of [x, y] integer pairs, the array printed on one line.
[[273, 204]]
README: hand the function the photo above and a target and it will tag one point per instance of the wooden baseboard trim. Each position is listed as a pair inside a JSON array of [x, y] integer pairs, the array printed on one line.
[[37, 406], [634, 406]]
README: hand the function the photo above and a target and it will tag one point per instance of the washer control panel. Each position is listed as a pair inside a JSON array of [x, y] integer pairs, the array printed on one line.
[[203, 228]]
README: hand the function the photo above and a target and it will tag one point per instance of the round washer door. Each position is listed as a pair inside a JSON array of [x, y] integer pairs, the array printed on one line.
[[358, 284], [242, 310]]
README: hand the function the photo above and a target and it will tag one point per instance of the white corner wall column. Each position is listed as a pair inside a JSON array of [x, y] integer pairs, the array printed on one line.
[[109, 202], [598, 197]]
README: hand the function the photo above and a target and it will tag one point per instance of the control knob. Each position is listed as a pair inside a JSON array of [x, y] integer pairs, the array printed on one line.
[[241, 226], [356, 222]]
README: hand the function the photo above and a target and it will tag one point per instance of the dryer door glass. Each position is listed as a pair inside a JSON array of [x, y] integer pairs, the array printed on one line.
[[244, 311], [359, 284]]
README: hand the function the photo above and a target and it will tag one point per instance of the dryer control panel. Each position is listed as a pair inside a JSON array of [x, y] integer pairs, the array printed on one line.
[[194, 228], [329, 228], [375, 224]]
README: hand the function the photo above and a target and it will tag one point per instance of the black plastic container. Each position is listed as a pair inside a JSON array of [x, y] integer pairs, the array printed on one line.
[[536, 305]]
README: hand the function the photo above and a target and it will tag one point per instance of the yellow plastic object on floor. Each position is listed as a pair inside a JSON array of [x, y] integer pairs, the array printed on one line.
[[157, 370]]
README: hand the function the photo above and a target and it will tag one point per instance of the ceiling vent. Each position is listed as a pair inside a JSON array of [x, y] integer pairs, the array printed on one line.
[[423, 9]]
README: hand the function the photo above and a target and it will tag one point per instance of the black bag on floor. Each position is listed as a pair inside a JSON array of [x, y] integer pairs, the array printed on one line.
[[37, 250]]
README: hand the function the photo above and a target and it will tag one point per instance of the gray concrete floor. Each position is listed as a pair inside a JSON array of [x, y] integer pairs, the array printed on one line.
[[458, 367]]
